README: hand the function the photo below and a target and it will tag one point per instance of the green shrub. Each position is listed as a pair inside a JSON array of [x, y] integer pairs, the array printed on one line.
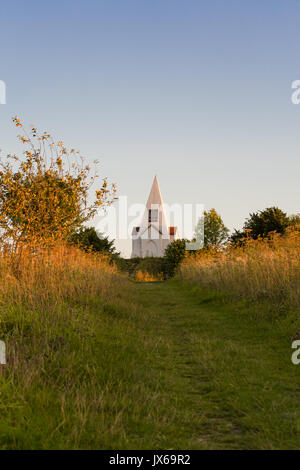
[[174, 254], [88, 239]]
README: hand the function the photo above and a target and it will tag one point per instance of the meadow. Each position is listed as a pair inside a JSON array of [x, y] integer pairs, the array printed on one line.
[[96, 360], [264, 270]]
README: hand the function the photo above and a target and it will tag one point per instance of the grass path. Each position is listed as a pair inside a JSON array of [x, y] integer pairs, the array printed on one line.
[[148, 366], [228, 380]]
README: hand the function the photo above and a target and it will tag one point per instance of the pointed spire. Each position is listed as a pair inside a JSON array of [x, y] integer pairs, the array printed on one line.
[[155, 196], [155, 202]]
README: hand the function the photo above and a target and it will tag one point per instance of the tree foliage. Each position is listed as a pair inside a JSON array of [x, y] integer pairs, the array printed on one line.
[[174, 254], [261, 224], [44, 194], [211, 229], [294, 221], [88, 239]]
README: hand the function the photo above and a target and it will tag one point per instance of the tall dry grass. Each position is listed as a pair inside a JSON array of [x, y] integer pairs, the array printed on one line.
[[39, 278], [55, 310], [261, 270]]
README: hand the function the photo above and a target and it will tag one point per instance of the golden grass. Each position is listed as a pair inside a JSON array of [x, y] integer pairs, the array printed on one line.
[[141, 276], [260, 270], [56, 312], [33, 278]]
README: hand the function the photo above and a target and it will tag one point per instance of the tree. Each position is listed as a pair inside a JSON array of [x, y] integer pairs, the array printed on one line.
[[212, 229], [294, 220], [261, 223], [238, 237], [44, 194], [88, 239], [174, 254]]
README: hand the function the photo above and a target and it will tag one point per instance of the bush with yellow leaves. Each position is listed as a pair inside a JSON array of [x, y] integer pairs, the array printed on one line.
[[44, 194]]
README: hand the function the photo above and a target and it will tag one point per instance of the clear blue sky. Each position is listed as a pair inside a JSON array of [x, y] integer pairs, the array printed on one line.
[[196, 91]]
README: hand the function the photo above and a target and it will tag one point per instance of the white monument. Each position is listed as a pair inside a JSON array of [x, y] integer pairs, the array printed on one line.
[[154, 234]]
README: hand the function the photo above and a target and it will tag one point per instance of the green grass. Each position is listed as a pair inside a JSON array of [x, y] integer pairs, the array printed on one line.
[[149, 366]]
